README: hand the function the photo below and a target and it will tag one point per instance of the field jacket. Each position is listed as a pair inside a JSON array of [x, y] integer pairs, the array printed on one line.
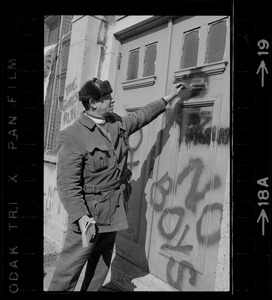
[[92, 174]]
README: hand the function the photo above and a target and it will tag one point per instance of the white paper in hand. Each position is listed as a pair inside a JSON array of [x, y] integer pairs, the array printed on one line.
[[88, 233]]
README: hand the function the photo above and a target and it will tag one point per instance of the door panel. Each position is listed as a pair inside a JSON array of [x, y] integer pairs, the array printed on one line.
[[182, 196], [188, 191], [191, 188], [146, 83]]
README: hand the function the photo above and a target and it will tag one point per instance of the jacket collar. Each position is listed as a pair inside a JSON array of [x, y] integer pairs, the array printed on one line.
[[84, 120], [89, 123]]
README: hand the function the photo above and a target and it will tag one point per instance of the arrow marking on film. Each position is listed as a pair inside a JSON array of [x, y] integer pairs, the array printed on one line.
[[263, 68], [263, 216]]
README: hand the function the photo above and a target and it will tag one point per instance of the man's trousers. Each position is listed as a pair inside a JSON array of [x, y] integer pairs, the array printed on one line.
[[73, 258]]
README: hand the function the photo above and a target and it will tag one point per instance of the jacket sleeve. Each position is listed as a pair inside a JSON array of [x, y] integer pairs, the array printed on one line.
[[69, 170], [143, 116]]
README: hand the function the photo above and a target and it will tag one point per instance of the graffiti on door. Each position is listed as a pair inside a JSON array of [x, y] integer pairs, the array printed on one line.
[[182, 266], [164, 187], [196, 127]]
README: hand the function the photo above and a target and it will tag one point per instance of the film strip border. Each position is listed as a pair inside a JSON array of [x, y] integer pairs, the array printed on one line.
[[22, 171], [22, 136], [251, 192]]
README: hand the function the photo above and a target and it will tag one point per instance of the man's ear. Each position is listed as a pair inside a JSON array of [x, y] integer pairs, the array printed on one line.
[[93, 103]]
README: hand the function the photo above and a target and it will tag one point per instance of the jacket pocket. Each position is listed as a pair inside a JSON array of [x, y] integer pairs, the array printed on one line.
[[99, 207], [100, 159]]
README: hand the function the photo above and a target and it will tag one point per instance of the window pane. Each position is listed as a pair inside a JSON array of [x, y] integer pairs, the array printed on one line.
[[65, 55], [133, 63], [53, 35], [46, 35], [216, 42], [190, 49], [150, 60], [62, 85]]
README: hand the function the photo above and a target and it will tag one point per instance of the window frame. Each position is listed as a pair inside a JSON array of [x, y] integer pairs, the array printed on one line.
[[63, 71], [59, 71], [203, 44], [52, 23], [140, 81]]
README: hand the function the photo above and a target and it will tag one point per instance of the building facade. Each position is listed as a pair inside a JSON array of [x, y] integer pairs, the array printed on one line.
[[178, 236]]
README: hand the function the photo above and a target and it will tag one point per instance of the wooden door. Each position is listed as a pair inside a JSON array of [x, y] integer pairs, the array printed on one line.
[[141, 80], [187, 191]]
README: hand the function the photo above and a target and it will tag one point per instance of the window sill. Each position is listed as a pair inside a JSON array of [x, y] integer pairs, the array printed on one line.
[[205, 70], [50, 158], [139, 83]]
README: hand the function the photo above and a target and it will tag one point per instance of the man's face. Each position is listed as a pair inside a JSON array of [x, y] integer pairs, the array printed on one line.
[[105, 105]]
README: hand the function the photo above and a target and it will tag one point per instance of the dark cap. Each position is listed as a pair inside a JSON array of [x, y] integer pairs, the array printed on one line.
[[94, 88]]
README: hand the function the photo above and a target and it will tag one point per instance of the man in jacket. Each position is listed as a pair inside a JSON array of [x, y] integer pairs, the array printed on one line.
[[93, 182]]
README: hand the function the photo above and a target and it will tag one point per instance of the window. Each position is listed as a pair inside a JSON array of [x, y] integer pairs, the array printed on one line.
[[51, 30], [204, 45], [65, 54], [64, 64], [190, 49], [142, 60], [53, 35], [216, 42], [62, 87], [133, 64], [150, 59], [56, 85]]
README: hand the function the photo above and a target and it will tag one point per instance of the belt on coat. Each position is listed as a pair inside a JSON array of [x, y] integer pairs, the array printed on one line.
[[94, 189]]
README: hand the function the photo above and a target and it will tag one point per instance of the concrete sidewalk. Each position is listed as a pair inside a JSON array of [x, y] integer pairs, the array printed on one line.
[[51, 253]]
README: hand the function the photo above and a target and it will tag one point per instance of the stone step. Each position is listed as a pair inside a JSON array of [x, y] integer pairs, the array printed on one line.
[[128, 277]]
